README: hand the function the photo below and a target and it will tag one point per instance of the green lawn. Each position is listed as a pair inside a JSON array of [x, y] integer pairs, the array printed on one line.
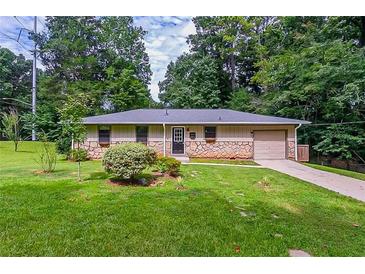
[[349, 173], [223, 161], [222, 211]]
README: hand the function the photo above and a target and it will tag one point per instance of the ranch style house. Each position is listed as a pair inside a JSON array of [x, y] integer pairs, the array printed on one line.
[[201, 133]]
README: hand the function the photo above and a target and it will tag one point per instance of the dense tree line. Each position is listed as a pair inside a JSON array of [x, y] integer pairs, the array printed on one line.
[[101, 58], [310, 68], [15, 80]]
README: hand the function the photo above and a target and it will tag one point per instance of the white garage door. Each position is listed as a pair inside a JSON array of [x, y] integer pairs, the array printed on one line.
[[269, 145]]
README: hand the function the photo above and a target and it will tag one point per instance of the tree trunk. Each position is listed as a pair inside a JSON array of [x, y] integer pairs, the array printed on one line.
[[232, 65], [79, 171], [78, 163], [15, 146], [362, 31]]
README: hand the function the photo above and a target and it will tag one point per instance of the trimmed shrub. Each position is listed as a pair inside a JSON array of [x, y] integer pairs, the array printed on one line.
[[168, 165], [128, 160], [79, 155], [63, 145]]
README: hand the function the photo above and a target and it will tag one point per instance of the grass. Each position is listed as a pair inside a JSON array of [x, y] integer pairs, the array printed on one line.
[[348, 173], [220, 211], [223, 161]]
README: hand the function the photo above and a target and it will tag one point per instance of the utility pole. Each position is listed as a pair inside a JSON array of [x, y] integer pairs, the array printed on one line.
[[34, 80]]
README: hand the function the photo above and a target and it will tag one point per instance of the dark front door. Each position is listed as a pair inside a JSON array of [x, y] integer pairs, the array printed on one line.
[[178, 140]]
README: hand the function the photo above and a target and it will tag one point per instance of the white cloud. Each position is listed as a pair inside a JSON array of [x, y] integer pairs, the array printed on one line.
[[165, 40]]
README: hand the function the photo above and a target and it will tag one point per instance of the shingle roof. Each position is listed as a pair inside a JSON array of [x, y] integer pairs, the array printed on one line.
[[187, 116]]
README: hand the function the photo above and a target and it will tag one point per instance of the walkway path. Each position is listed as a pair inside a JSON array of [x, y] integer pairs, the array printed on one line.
[[216, 164]]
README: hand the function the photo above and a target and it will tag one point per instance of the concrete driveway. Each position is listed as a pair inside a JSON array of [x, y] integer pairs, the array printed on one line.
[[345, 185]]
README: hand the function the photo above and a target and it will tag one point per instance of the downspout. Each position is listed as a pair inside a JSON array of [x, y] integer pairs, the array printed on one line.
[[296, 143], [164, 139]]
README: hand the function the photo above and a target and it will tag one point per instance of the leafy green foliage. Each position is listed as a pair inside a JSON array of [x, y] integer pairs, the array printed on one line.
[[191, 82], [126, 91], [310, 68], [63, 145], [322, 82], [168, 165], [71, 114], [79, 155], [103, 57], [341, 141], [15, 81], [242, 100], [128, 160]]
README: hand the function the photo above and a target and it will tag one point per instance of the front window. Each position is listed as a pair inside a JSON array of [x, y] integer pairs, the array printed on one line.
[[104, 135], [210, 132], [142, 134]]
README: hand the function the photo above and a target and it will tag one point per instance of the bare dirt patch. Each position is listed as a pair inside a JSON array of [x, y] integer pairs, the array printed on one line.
[[39, 172]]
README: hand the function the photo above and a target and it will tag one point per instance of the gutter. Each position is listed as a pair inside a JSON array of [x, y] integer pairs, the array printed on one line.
[[196, 123], [296, 143]]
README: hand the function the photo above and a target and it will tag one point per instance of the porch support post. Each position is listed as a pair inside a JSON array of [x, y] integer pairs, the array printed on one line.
[[296, 143], [164, 139]]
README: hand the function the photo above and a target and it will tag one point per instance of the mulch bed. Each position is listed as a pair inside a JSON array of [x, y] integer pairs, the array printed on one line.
[[150, 182]]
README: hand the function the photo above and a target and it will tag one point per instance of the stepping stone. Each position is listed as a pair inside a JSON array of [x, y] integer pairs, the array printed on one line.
[[275, 216], [278, 235], [298, 253], [247, 214]]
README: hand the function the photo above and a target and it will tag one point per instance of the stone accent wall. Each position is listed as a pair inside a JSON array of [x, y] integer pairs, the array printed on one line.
[[219, 149], [291, 150], [95, 151], [194, 149], [156, 145]]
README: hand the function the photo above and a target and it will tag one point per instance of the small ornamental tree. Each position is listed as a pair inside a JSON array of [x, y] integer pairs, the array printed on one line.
[[126, 161], [74, 109], [47, 154], [11, 127]]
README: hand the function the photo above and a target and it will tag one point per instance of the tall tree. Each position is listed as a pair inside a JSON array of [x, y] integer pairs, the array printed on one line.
[[191, 82], [15, 81], [303, 67], [79, 54]]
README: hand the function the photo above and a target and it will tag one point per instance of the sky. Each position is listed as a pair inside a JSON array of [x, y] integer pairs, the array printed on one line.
[[165, 39]]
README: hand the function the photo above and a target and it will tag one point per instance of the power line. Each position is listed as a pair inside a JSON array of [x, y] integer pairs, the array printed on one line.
[[16, 40], [343, 123], [20, 23]]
